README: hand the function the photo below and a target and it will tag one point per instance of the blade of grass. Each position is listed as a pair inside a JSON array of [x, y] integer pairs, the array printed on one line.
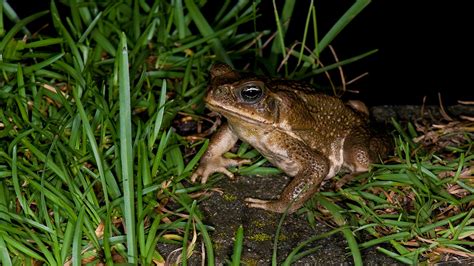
[[144, 164], [293, 256], [234, 12], [152, 238], [93, 143], [16, 184], [463, 224], [68, 239], [136, 20], [159, 115], [2, 28], [41, 246], [177, 159], [208, 38], [90, 27], [107, 239], [144, 39], [22, 100], [40, 65], [76, 22], [141, 171], [306, 29], [77, 239], [15, 244], [396, 256], [332, 66], [157, 161], [339, 219], [448, 220], [67, 37], [49, 163], [207, 30], [18, 26], [202, 228], [196, 157], [342, 22], [104, 42], [237, 252], [4, 255], [179, 19], [277, 233], [278, 45], [184, 252], [396, 236], [315, 31], [126, 151], [43, 43]]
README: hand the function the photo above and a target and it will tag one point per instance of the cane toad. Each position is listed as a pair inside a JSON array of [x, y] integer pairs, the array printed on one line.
[[308, 135]]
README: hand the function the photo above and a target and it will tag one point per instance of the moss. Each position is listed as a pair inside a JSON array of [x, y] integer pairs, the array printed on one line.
[[282, 237], [249, 261], [259, 223], [260, 237], [229, 197]]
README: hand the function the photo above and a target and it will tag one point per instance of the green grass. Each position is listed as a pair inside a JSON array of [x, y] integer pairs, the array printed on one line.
[[93, 170], [419, 204]]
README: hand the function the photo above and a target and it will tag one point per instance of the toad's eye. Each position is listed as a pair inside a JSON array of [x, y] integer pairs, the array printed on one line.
[[251, 93]]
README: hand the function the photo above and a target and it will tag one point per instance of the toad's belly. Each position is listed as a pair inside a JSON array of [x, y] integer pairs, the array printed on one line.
[[279, 149], [287, 151]]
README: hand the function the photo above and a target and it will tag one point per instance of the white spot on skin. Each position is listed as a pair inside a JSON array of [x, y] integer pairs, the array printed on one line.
[[298, 189], [336, 158]]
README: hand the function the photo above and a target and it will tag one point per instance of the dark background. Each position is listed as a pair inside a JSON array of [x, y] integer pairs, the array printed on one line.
[[425, 47]]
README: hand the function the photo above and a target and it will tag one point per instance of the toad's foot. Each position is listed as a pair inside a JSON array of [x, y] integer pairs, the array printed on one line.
[[344, 180], [216, 165], [272, 205]]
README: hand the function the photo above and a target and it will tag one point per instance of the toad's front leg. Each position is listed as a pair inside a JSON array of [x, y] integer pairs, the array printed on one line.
[[213, 160]]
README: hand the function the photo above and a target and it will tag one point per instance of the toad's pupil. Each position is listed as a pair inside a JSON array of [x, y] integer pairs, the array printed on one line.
[[251, 93]]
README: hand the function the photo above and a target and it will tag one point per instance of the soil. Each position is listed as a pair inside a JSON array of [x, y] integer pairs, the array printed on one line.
[[224, 210]]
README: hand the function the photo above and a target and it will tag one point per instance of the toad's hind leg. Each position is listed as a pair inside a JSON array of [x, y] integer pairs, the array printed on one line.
[[305, 183], [292, 198], [363, 147]]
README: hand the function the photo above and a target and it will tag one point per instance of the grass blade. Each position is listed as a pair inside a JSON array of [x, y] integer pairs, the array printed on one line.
[[77, 240], [18, 245], [339, 219], [126, 151], [16, 184], [4, 255], [18, 26], [239, 238], [278, 45], [343, 21], [159, 116], [66, 35], [207, 30]]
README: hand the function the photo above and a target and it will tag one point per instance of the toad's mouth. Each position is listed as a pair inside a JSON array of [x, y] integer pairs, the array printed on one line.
[[232, 113]]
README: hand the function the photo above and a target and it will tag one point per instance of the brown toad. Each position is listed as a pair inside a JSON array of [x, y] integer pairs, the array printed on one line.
[[308, 135]]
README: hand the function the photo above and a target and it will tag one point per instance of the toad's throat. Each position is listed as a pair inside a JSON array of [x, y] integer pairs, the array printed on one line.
[[232, 113]]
